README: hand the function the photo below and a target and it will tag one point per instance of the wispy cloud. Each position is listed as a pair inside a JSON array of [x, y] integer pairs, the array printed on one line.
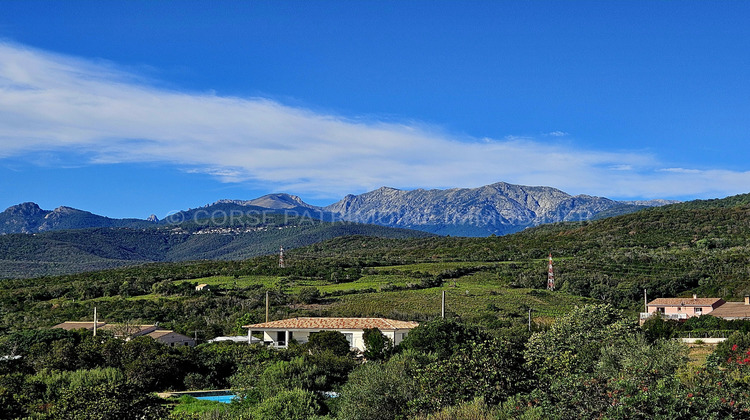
[[50, 103]]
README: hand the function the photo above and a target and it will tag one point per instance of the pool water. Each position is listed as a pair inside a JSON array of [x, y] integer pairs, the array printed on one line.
[[220, 398]]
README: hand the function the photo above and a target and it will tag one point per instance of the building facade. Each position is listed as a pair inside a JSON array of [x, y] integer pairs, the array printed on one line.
[[280, 333]]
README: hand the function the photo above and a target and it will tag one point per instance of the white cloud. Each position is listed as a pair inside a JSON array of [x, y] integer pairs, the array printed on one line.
[[621, 168], [50, 103], [680, 170]]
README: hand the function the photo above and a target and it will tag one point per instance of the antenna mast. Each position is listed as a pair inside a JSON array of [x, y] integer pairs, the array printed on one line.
[[281, 257], [550, 275]]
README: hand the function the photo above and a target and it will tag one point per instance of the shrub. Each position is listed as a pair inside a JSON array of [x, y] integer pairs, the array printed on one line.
[[295, 404]]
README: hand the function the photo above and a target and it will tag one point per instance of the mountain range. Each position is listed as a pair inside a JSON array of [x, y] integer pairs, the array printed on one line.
[[498, 209]]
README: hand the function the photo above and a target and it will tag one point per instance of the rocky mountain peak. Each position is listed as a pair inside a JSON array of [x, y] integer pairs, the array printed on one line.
[[498, 208], [27, 209], [278, 201]]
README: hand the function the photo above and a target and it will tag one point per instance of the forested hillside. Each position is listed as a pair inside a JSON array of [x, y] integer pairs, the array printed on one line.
[[71, 251]]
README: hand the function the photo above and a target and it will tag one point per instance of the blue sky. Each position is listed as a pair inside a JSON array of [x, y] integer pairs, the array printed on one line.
[[132, 108]]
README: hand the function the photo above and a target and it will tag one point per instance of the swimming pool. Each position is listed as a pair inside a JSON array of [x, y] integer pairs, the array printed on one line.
[[220, 398]]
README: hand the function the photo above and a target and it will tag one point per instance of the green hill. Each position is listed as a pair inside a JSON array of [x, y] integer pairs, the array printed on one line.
[[70, 251]]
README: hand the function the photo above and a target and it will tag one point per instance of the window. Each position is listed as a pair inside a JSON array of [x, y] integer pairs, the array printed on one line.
[[349, 338], [699, 311]]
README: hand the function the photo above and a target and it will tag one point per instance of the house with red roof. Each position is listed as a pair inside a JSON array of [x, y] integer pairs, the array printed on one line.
[[280, 333], [684, 308]]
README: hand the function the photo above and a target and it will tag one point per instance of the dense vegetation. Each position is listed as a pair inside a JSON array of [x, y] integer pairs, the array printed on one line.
[[592, 363]]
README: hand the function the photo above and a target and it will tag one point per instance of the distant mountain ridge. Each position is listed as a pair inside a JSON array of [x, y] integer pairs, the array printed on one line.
[[272, 201], [30, 218], [499, 208]]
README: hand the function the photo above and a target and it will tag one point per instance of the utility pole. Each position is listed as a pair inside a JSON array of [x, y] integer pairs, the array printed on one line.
[[645, 301], [529, 319], [95, 321], [550, 275], [267, 306], [442, 311]]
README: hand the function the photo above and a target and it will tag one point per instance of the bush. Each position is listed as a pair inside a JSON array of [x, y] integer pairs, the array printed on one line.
[[283, 376], [472, 410], [381, 391], [295, 404], [108, 401]]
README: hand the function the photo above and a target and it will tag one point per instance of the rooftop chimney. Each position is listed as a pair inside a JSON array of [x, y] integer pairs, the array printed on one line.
[[695, 296], [747, 300]]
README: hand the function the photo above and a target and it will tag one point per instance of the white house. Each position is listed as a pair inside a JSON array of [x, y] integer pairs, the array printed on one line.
[[279, 333]]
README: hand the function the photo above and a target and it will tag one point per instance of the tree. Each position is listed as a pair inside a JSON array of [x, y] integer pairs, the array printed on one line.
[[154, 366], [11, 396], [332, 341], [377, 345], [492, 370], [573, 343], [442, 337], [656, 328]]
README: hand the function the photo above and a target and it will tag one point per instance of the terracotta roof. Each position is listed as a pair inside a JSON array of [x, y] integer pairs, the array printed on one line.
[[687, 301], [123, 330], [129, 329], [75, 325], [311, 323], [160, 333], [732, 310]]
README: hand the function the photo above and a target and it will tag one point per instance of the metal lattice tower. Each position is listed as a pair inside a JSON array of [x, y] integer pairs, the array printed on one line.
[[550, 275], [281, 257]]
